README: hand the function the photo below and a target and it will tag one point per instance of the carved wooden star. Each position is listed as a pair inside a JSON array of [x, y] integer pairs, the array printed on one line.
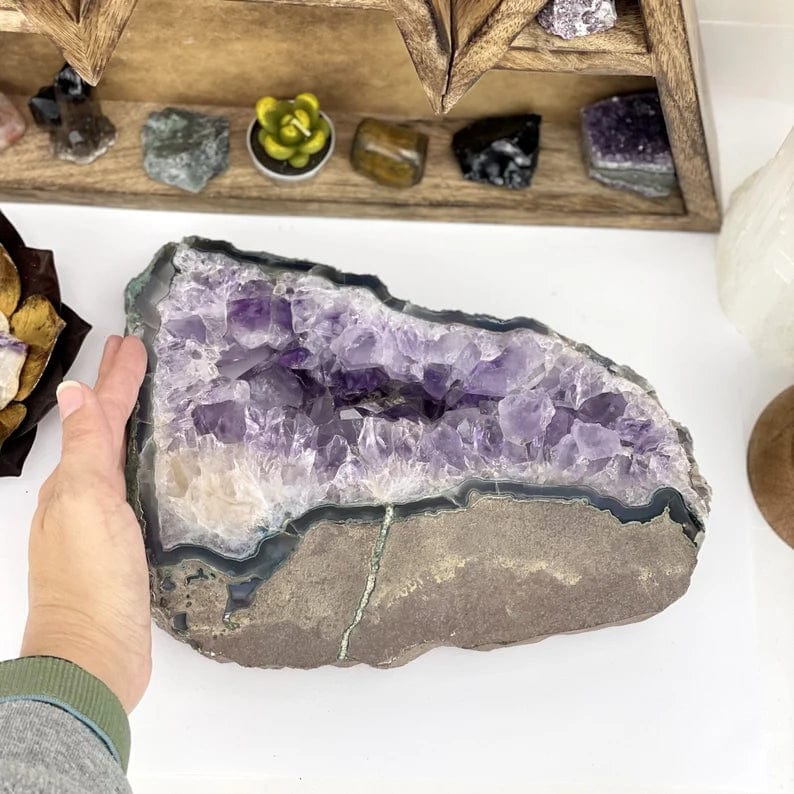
[[86, 31]]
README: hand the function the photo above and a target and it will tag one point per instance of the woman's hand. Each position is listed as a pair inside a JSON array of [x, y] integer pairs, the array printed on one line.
[[89, 583]]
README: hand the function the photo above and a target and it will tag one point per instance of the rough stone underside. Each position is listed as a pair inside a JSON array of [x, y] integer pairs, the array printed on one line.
[[327, 474]]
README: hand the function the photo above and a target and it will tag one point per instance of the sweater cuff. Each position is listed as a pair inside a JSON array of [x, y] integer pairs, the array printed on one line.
[[69, 687]]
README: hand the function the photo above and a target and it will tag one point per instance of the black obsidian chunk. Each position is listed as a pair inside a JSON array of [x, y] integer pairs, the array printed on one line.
[[501, 151]]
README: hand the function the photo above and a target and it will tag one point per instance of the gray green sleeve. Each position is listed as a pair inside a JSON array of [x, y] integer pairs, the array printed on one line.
[[61, 730]]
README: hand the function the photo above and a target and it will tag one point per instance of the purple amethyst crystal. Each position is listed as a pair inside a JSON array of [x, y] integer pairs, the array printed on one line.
[[626, 144], [571, 18], [336, 397]]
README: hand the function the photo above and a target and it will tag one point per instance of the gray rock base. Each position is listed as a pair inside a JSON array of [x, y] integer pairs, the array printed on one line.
[[501, 572]]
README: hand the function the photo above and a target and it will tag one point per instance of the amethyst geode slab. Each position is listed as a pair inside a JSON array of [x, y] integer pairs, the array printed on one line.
[[326, 474]]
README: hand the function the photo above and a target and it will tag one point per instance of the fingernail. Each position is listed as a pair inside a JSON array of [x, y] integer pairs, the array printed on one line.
[[70, 398]]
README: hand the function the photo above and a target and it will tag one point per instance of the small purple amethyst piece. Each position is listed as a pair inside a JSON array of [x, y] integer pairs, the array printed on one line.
[[13, 353], [571, 18], [626, 144]]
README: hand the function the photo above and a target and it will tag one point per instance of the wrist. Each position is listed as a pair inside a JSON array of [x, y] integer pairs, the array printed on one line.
[[60, 634], [66, 686]]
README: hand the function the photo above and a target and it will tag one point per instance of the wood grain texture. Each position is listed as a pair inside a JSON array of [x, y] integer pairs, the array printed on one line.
[[628, 35], [561, 192], [666, 29], [425, 28], [584, 62], [706, 105], [168, 56], [252, 58], [557, 97], [86, 33], [483, 40], [770, 464], [12, 19]]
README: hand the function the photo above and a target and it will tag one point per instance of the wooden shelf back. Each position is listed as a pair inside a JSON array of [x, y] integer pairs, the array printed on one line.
[[12, 20], [622, 50]]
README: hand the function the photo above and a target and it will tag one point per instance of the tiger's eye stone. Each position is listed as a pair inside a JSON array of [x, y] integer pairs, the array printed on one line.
[[389, 154]]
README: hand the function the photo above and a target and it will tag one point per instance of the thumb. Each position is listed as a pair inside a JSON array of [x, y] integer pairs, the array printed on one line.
[[85, 434]]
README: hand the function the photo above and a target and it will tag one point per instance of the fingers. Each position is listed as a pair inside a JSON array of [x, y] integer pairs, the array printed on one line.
[[120, 380], [94, 421], [87, 439], [112, 345]]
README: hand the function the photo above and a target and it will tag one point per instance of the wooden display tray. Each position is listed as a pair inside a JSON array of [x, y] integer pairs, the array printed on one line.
[[561, 191], [398, 59]]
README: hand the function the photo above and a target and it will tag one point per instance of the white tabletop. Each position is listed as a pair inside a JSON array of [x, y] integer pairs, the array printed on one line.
[[697, 699]]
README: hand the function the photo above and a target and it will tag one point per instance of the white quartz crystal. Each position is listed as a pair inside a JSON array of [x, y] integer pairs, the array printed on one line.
[[756, 258]]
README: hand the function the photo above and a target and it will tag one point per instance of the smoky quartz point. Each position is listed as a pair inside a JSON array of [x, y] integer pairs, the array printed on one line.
[[70, 111], [326, 474]]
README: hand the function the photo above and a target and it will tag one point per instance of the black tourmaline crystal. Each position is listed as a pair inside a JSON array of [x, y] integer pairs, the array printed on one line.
[[500, 151], [79, 132]]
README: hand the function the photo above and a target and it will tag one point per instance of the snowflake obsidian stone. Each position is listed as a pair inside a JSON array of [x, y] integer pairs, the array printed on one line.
[[326, 474]]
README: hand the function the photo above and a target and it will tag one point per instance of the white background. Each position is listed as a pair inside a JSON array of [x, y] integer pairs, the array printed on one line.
[[697, 699]]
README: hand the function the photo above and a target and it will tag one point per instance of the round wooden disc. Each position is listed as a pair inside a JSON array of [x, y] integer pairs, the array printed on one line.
[[770, 464]]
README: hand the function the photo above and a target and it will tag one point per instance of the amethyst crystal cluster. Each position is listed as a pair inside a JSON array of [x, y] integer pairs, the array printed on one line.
[[626, 144], [281, 391]]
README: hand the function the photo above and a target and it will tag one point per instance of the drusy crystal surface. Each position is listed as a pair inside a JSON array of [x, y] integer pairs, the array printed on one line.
[[626, 144]]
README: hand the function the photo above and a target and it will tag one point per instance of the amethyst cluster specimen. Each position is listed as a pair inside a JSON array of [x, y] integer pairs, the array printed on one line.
[[328, 475], [626, 144]]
